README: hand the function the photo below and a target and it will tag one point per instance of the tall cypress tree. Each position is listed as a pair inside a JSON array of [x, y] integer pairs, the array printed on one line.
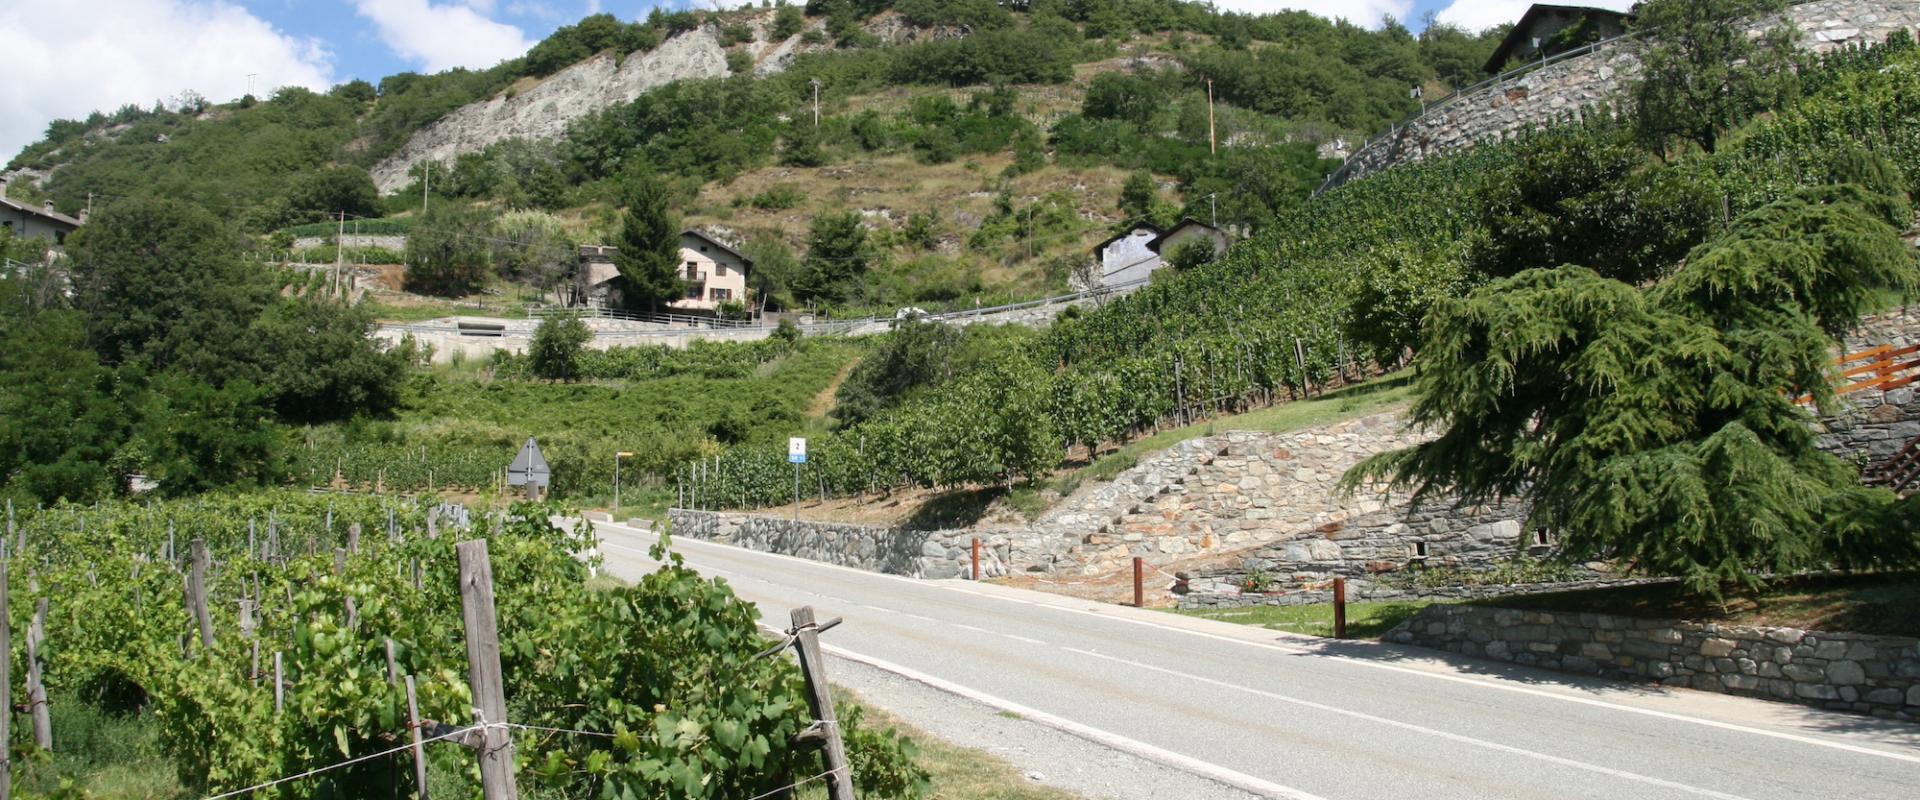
[[649, 242]]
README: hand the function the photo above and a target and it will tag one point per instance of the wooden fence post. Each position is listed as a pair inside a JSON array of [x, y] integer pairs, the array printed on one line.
[[6, 673], [1339, 608], [483, 670], [37, 691], [813, 668], [197, 592], [279, 683], [419, 753]]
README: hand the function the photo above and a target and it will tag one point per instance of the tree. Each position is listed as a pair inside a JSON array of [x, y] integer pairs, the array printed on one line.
[[60, 421], [162, 283], [1399, 283], [1701, 73], [317, 361], [198, 437], [533, 246], [1138, 194], [447, 252], [323, 194], [837, 256], [774, 268], [1191, 253], [649, 245], [787, 21], [1590, 197], [557, 345], [1657, 426], [1114, 95]]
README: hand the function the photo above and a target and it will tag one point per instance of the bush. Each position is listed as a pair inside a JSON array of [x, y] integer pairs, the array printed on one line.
[[557, 345]]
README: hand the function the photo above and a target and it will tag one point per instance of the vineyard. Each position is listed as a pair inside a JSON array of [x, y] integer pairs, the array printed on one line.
[[318, 614], [1272, 320]]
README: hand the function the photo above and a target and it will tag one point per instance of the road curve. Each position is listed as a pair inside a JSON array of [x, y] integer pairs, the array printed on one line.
[[1285, 716]]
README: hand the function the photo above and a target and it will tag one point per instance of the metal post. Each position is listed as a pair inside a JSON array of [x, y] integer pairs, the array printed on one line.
[[1339, 608], [976, 558], [796, 497]]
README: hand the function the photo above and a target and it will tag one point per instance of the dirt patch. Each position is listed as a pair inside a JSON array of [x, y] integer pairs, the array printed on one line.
[[1156, 582], [823, 402]]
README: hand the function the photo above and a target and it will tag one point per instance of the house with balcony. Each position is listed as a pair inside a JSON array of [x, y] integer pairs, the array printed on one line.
[[713, 272]]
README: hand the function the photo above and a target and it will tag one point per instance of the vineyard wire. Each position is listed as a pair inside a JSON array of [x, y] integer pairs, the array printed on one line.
[[347, 763]]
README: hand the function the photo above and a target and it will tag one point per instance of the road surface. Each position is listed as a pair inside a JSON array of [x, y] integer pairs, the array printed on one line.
[[1283, 716]]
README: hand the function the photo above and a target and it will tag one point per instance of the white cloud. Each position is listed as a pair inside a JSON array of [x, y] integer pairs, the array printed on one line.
[[1359, 12], [60, 61], [1478, 15], [436, 37]]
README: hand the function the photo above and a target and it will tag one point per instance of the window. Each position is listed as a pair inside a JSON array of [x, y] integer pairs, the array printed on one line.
[[693, 293], [722, 294], [1542, 537], [1419, 550]]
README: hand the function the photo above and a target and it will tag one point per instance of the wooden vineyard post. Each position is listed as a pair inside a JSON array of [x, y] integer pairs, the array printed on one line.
[[806, 638], [197, 593], [393, 671], [279, 684], [37, 691], [419, 753], [6, 675], [483, 670], [1339, 608]]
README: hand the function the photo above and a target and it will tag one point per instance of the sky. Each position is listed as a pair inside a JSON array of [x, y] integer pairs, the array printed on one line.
[[67, 58]]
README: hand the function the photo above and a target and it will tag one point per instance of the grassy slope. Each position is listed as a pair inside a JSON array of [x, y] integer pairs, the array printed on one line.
[[1364, 620]]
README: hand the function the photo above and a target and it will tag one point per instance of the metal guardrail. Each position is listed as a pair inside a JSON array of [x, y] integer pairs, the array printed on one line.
[[826, 328], [595, 312]]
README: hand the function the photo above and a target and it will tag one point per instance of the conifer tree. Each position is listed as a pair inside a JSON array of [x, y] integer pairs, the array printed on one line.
[[649, 245]]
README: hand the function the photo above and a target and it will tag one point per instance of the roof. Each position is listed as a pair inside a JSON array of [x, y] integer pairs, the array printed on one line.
[[1523, 27], [1183, 225], [702, 236], [1144, 226], [44, 212]]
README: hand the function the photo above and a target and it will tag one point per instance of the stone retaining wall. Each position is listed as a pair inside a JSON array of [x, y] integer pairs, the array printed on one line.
[[920, 554], [1566, 90], [1879, 675]]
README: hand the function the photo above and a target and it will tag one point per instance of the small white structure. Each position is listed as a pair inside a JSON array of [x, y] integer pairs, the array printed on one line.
[[1128, 256], [1133, 255]]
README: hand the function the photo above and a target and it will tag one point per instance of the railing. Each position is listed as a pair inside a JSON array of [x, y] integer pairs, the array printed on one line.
[[671, 320], [1884, 368], [1900, 472]]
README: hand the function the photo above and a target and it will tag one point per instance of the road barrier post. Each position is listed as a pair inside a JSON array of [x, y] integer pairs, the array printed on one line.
[[1139, 595], [1339, 608], [976, 558]]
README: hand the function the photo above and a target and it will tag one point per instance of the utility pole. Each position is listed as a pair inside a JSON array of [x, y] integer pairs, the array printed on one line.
[[483, 670], [815, 83], [426, 180], [339, 252], [1213, 210], [616, 478], [1212, 147], [250, 77]]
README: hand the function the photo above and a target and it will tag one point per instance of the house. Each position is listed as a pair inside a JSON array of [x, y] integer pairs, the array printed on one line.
[[1126, 258], [1190, 231], [27, 221], [1547, 30], [1132, 255], [714, 273]]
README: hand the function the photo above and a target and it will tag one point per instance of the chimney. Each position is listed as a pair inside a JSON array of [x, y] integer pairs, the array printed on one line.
[[84, 213], [3, 187], [47, 206]]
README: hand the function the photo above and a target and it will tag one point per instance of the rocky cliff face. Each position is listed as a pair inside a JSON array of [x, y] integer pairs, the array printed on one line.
[[543, 112]]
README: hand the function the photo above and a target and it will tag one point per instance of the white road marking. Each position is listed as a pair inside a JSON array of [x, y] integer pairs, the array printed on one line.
[[1211, 771], [1454, 737], [1485, 683], [1024, 639]]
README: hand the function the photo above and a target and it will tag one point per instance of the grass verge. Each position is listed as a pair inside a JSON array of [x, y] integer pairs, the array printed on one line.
[[955, 772], [1880, 603], [1364, 620]]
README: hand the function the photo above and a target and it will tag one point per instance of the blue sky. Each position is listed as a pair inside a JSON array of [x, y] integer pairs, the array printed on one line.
[[67, 58]]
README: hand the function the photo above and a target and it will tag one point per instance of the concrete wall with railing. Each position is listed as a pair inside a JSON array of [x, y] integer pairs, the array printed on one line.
[[1589, 80]]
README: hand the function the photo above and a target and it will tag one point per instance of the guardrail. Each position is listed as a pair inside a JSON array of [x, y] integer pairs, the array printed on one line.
[[596, 312], [1884, 368]]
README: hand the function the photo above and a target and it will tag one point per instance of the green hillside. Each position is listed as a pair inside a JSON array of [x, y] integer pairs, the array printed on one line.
[[1005, 150]]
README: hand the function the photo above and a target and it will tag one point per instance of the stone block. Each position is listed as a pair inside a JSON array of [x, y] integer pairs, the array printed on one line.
[[1913, 695], [1741, 683], [1804, 673], [1884, 696], [1845, 673], [1716, 648], [1786, 635], [1815, 691], [1667, 636], [1830, 649]]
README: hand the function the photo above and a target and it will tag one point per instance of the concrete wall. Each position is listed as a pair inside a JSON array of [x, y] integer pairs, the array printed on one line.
[[1129, 258], [1879, 675], [1569, 89]]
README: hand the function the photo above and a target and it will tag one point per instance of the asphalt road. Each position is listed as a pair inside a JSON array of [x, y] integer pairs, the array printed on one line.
[[1285, 716]]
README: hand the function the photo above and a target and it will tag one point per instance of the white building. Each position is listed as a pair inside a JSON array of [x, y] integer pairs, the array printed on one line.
[[28, 222]]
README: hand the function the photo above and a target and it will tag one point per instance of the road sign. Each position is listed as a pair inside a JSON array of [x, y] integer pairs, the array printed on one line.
[[797, 450], [529, 467]]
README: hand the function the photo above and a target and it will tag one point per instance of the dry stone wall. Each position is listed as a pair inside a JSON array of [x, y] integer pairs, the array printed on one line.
[[920, 554], [1879, 675], [1566, 90]]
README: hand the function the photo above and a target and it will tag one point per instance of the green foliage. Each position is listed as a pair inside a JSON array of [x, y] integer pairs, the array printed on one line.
[[1656, 426], [649, 242], [1191, 253], [1702, 72], [194, 436], [326, 193], [837, 256], [533, 247], [665, 666], [447, 252], [162, 285], [1129, 98], [557, 345], [1587, 196], [917, 355], [317, 362], [787, 21], [1138, 194], [60, 421], [1398, 284]]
